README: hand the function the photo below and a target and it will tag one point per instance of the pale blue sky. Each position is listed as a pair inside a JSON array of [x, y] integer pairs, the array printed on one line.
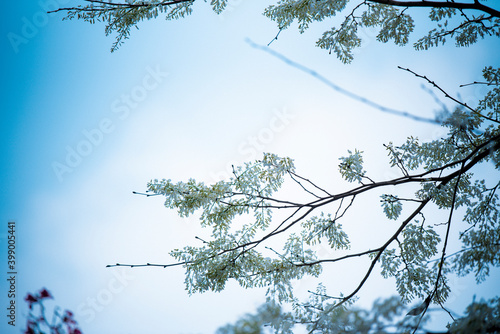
[[202, 99]]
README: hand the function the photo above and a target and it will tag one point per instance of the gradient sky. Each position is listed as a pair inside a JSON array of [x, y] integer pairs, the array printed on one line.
[[183, 99]]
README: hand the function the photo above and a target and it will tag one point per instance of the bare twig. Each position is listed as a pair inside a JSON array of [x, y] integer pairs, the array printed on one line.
[[463, 104]]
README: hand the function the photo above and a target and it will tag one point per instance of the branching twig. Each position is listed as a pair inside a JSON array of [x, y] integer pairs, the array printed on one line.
[[275, 37], [106, 6], [463, 104]]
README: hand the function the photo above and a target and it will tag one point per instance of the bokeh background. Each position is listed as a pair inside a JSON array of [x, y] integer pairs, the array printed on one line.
[[81, 128]]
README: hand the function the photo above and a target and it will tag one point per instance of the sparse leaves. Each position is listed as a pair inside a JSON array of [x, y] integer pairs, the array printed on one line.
[[121, 17], [468, 32], [218, 5]]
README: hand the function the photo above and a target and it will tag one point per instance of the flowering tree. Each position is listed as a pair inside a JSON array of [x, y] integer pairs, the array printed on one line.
[[260, 237], [38, 322]]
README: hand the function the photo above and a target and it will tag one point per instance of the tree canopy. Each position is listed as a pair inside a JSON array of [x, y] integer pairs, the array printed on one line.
[[260, 237], [466, 22]]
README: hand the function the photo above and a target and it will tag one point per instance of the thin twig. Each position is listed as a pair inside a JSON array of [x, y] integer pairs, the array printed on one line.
[[463, 104]]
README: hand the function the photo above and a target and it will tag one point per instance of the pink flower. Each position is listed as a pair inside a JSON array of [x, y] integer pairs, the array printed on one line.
[[30, 299], [31, 327], [68, 317], [44, 293]]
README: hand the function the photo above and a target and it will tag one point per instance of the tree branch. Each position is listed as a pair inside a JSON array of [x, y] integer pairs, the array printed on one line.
[[105, 6], [476, 5], [339, 89], [481, 152]]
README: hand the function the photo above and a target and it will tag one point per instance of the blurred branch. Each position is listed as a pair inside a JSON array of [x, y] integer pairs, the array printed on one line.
[[339, 89]]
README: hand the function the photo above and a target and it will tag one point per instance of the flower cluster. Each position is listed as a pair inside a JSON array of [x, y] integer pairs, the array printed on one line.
[[60, 324], [33, 299]]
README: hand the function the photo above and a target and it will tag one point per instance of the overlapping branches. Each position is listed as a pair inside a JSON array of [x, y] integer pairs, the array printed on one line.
[[302, 211], [440, 169], [392, 19]]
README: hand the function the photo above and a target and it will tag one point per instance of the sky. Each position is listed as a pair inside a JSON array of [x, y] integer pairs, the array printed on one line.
[[82, 128]]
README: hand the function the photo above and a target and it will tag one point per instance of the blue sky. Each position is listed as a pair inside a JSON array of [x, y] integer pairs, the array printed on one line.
[[180, 99]]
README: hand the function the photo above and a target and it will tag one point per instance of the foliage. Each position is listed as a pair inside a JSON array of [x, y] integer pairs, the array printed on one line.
[[245, 237], [480, 317], [38, 324], [121, 17], [385, 316], [256, 246], [415, 253], [269, 314], [390, 18]]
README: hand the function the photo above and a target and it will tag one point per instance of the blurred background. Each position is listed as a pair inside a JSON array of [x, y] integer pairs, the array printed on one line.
[[82, 128]]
